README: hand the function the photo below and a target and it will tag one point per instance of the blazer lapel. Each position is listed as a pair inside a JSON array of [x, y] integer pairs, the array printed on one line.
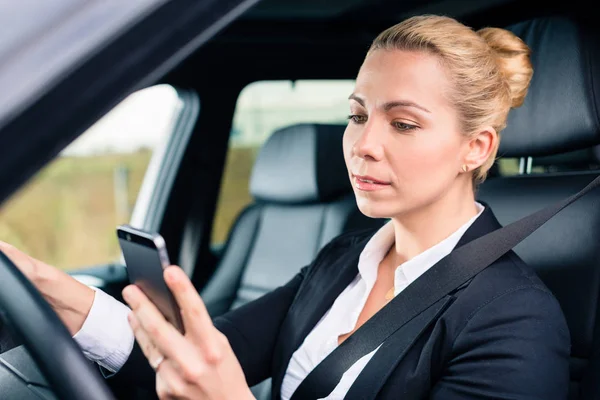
[[315, 298]]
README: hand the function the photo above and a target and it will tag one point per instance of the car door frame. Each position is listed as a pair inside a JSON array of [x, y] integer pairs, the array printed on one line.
[[143, 51]]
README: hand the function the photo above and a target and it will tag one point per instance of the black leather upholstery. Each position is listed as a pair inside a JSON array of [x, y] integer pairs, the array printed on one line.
[[560, 114], [301, 164]]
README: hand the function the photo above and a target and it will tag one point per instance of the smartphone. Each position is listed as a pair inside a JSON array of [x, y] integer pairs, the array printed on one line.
[[145, 255]]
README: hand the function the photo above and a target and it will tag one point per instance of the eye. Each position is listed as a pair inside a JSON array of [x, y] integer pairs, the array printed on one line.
[[402, 126], [357, 119]]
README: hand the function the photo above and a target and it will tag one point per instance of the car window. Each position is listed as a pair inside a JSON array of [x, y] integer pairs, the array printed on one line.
[[508, 166], [262, 108], [517, 166], [66, 215]]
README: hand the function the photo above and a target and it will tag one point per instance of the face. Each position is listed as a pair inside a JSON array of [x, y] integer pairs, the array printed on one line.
[[402, 146]]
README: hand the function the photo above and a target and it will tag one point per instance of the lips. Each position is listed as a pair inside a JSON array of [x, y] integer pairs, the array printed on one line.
[[369, 183]]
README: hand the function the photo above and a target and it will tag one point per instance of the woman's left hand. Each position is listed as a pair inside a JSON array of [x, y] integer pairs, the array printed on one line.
[[197, 365]]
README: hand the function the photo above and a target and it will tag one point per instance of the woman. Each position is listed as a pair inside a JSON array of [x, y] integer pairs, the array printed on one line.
[[430, 101]]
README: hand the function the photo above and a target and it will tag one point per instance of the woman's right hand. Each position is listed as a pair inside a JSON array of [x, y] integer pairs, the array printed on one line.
[[69, 298]]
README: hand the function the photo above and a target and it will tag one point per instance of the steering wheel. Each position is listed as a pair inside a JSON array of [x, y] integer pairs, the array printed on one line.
[[60, 359]]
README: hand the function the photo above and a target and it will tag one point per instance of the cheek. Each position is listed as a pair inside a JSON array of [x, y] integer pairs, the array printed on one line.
[[425, 161]]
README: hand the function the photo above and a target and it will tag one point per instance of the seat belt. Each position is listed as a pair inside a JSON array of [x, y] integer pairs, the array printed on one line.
[[451, 272]]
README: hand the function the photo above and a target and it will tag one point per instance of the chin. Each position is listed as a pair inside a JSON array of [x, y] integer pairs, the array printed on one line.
[[375, 209]]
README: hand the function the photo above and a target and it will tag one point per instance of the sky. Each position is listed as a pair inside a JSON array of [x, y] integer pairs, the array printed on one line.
[[138, 121]]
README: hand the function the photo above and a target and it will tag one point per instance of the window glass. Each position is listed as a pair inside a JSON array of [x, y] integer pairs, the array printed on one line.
[[67, 214], [262, 108], [508, 166]]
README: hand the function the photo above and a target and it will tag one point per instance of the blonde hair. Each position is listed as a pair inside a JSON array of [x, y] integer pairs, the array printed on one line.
[[489, 70]]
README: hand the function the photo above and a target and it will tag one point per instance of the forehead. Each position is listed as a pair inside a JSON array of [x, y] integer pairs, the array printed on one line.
[[388, 75]]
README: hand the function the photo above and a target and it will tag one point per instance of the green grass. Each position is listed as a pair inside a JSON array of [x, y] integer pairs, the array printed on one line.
[[66, 215]]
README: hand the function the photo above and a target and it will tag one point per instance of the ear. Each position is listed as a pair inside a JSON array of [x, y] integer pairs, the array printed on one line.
[[480, 148]]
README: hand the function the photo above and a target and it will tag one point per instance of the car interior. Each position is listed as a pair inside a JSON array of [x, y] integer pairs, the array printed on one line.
[[301, 195]]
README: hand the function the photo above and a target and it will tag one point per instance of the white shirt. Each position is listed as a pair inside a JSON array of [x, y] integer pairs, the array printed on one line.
[[107, 338]]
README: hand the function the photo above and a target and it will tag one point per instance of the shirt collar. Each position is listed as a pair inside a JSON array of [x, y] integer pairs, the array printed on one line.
[[406, 273]]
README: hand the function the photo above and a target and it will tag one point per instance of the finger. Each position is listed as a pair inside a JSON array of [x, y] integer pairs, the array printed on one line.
[[148, 347], [24, 262], [198, 323], [170, 384], [162, 390], [163, 335], [13, 252], [4, 245], [9, 250]]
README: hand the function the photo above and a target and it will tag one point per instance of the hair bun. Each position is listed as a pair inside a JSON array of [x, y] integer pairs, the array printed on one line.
[[513, 58]]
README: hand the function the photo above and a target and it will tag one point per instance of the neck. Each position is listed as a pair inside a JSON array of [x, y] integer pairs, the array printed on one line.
[[422, 228]]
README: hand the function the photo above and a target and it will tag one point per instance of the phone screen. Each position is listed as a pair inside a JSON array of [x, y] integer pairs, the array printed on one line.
[[145, 261]]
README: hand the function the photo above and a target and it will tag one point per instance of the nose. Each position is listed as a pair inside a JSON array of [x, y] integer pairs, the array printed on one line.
[[369, 144]]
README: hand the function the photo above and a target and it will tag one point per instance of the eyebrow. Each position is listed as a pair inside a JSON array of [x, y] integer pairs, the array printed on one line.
[[392, 104]]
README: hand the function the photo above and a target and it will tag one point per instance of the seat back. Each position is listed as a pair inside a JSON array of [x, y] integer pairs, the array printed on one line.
[[560, 115], [303, 199]]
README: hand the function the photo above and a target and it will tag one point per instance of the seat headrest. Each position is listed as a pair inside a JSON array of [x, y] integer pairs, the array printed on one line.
[[302, 163], [561, 109]]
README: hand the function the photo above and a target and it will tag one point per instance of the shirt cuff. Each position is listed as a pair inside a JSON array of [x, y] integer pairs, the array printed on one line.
[[106, 337]]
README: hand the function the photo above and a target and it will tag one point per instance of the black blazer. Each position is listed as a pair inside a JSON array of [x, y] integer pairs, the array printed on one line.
[[503, 335]]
